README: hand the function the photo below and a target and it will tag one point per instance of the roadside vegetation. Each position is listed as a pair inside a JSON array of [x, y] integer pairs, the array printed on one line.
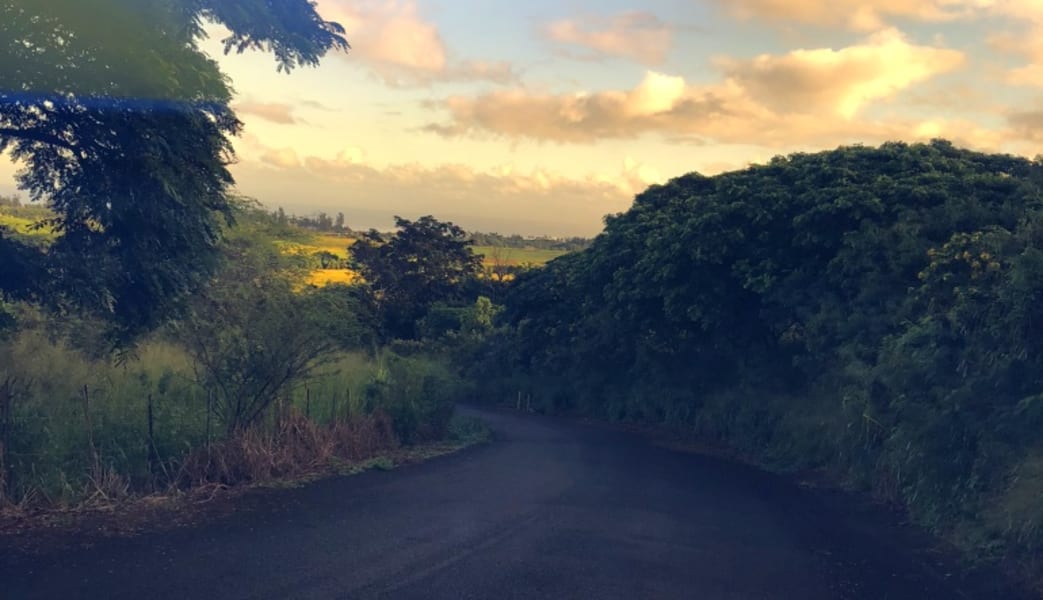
[[871, 312], [257, 379], [156, 331]]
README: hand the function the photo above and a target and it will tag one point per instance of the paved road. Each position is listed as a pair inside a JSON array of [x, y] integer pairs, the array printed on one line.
[[552, 509]]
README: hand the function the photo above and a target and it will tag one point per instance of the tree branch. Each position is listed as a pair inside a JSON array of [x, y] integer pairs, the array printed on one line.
[[36, 136]]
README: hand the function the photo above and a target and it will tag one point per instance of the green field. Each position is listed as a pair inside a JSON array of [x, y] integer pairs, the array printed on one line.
[[517, 256], [19, 224], [25, 226]]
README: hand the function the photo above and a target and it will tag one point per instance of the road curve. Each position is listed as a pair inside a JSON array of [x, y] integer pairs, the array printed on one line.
[[551, 509]]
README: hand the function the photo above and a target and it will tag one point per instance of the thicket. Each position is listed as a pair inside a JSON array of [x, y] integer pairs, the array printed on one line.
[[257, 377], [871, 311]]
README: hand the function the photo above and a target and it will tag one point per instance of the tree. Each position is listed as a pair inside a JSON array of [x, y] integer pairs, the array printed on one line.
[[253, 336], [122, 125], [875, 312], [424, 262]]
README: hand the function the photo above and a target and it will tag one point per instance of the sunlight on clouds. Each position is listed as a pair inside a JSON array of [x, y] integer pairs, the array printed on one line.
[[639, 36], [389, 33], [658, 93], [844, 80], [805, 96], [402, 48], [274, 112], [281, 157], [859, 15]]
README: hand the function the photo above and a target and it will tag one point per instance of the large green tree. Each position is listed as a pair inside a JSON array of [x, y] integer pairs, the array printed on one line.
[[876, 311], [122, 126], [424, 262]]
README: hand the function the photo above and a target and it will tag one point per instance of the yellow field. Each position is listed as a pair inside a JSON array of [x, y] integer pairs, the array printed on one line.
[[324, 277], [319, 243]]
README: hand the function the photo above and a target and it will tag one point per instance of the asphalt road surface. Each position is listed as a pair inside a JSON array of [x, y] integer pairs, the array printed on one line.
[[551, 509]]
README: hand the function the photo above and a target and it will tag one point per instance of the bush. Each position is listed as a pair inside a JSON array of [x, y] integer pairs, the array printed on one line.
[[418, 394]]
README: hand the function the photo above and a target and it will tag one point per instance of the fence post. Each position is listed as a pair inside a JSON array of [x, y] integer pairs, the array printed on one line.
[[6, 400], [90, 428], [209, 410], [333, 410], [307, 402], [151, 442]]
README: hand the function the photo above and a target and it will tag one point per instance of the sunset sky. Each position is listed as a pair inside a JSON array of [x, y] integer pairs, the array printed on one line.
[[540, 117]]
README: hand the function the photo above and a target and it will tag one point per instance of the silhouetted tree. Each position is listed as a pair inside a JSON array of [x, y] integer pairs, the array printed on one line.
[[424, 262], [123, 124]]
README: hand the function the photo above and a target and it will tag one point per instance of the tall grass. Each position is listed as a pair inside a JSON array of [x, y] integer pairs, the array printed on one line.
[[78, 429]]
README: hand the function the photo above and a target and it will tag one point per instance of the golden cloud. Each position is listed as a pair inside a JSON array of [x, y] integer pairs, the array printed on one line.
[[270, 111], [840, 81], [859, 15], [639, 36], [404, 49], [284, 158], [805, 96]]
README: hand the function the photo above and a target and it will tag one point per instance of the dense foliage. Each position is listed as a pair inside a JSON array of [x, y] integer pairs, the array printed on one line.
[[498, 240], [424, 262], [262, 376], [876, 311], [122, 126]]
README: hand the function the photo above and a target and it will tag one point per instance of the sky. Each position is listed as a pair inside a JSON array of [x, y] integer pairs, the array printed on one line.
[[541, 117]]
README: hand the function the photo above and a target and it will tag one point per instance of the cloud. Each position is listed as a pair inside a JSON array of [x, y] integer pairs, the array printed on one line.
[[284, 158], [1030, 75], [402, 48], [859, 15], [317, 105], [805, 96], [270, 111], [538, 201], [844, 80], [1027, 125], [638, 36]]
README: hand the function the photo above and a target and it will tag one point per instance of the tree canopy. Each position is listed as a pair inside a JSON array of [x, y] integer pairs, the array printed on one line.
[[875, 310], [122, 126], [424, 262]]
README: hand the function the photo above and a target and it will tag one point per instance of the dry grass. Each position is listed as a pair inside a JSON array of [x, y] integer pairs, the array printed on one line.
[[297, 447]]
